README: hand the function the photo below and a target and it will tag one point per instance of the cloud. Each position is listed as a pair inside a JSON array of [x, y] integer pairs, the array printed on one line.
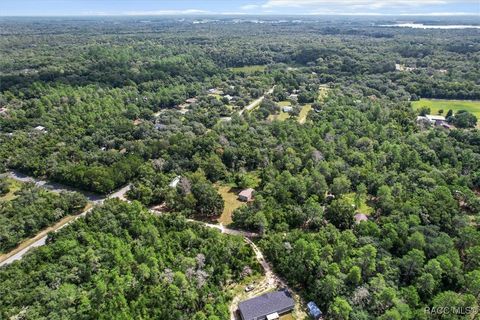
[[374, 4], [167, 12], [366, 7], [249, 7]]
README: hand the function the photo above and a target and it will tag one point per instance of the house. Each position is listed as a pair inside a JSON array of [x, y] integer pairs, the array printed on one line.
[[446, 125], [287, 109], [293, 96], [422, 118], [191, 100], [246, 195], [174, 182], [359, 217], [436, 120], [314, 310], [268, 306], [225, 119], [39, 128]]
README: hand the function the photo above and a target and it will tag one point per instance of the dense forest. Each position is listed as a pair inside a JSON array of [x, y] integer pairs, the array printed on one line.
[[121, 262], [97, 104], [33, 209]]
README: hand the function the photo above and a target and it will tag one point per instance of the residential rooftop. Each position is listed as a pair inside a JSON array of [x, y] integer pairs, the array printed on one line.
[[260, 307]]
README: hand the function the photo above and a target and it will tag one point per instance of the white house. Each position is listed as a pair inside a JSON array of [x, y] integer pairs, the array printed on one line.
[[174, 182]]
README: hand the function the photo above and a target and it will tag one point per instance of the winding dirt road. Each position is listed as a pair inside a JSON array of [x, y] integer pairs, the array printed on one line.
[[270, 281]]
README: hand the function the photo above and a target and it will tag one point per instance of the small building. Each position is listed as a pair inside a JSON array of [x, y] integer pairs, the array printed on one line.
[[293, 96], [39, 128], [287, 109], [174, 182], [246, 195], [359, 217], [229, 97], [446, 125], [314, 310], [191, 100], [436, 120], [268, 306], [225, 119]]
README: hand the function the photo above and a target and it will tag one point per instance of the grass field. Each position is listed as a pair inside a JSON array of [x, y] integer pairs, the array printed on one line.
[[282, 116], [304, 112], [230, 196], [363, 208], [454, 105], [14, 186], [249, 69], [322, 92]]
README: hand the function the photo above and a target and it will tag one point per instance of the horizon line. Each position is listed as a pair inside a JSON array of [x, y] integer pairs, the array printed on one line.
[[210, 14]]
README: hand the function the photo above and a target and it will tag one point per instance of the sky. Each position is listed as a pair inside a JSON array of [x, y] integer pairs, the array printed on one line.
[[237, 7]]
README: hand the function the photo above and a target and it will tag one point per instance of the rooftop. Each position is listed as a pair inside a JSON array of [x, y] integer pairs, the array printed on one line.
[[359, 217], [432, 117], [266, 304], [247, 193]]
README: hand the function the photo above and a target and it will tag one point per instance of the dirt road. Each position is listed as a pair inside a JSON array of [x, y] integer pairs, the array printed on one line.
[[256, 102]]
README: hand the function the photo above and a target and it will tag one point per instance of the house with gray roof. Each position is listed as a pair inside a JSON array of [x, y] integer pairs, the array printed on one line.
[[267, 306]]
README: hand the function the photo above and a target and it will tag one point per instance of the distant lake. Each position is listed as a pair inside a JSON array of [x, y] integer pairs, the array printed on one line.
[[426, 26]]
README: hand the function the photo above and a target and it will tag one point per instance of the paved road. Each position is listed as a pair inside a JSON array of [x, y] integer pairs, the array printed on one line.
[[21, 253], [271, 280], [40, 238], [256, 102], [53, 186]]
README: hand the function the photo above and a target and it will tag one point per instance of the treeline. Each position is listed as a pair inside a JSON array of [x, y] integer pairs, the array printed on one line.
[[32, 210], [120, 261]]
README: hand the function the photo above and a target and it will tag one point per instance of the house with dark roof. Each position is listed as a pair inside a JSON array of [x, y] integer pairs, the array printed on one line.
[[267, 306]]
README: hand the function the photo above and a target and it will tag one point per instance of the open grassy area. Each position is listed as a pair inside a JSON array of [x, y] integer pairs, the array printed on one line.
[[14, 186], [284, 103], [454, 105], [230, 196], [322, 92], [302, 117], [363, 208], [249, 69], [282, 116]]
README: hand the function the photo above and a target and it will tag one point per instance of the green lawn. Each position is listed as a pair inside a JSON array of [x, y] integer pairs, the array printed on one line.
[[249, 69], [304, 112], [454, 105], [363, 208], [322, 92], [282, 116], [284, 103], [14, 186], [230, 196]]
